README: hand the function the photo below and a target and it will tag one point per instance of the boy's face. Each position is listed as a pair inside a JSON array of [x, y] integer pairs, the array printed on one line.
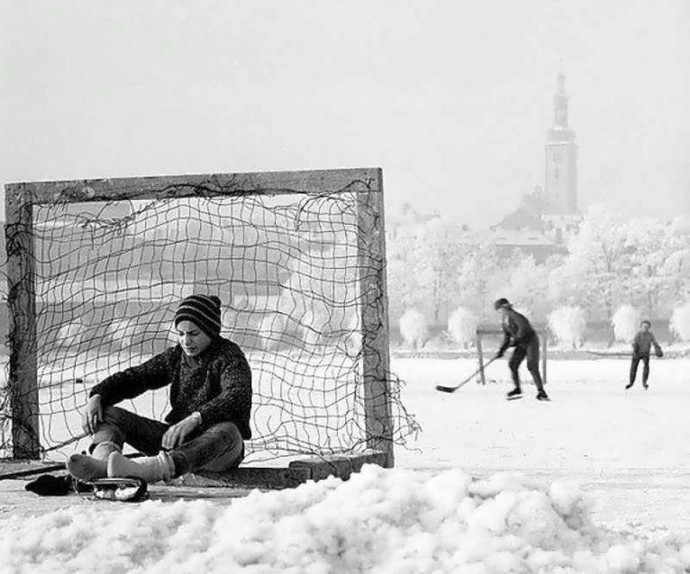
[[502, 311], [644, 327], [193, 340]]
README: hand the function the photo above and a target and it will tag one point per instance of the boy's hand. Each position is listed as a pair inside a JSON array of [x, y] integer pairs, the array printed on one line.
[[93, 414], [659, 353], [177, 433]]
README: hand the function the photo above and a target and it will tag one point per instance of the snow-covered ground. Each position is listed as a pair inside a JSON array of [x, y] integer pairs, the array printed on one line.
[[630, 449], [594, 481]]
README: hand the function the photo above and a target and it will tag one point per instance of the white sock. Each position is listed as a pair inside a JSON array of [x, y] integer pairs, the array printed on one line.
[[148, 468]]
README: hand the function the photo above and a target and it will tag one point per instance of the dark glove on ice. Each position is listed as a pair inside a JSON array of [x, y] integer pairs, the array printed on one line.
[[49, 485]]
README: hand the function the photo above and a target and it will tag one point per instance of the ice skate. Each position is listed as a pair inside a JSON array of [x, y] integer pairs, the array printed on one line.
[[514, 394], [542, 396], [628, 386]]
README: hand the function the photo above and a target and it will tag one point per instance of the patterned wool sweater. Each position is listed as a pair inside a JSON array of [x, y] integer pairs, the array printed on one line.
[[218, 385]]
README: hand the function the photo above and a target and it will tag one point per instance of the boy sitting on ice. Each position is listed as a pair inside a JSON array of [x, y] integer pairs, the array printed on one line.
[[210, 397]]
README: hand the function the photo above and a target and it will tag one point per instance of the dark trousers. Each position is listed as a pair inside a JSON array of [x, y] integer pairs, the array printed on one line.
[[645, 368], [530, 350], [217, 448]]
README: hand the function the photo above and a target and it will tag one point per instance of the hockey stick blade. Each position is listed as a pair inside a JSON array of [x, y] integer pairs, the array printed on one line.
[[445, 389]]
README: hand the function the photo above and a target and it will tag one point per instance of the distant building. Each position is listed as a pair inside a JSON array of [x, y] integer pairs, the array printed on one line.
[[549, 215], [545, 219], [535, 243]]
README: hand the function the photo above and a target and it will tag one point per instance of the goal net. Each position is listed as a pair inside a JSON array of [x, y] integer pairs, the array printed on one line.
[[97, 269]]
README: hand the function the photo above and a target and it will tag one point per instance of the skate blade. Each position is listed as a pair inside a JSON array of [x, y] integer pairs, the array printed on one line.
[[120, 489], [515, 398]]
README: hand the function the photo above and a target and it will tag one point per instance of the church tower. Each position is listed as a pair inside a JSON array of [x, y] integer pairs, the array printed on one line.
[[560, 188]]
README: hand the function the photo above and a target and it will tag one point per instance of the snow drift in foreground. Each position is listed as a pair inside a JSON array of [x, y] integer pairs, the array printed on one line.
[[384, 521]]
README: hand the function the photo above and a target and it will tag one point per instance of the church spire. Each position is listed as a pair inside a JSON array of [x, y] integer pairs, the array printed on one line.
[[560, 185], [560, 104], [560, 130]]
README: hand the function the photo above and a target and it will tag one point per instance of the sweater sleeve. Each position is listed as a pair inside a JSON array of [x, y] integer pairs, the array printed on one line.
[[130, 383], [235, 399], [505, 344]]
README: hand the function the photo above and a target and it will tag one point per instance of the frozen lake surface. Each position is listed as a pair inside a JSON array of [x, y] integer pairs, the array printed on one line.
[[594, 481], [629, 449]]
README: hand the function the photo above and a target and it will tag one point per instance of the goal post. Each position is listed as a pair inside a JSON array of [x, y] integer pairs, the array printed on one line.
[[95, 269], [21, 381], [493, 332]]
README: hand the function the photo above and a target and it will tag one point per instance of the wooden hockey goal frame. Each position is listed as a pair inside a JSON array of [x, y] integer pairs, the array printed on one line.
[[492, 330]]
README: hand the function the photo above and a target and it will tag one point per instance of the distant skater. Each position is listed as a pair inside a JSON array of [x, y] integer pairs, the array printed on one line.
[[642, 345], [518, 333]]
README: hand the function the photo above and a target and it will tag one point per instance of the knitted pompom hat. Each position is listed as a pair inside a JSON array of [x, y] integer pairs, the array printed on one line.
[[203, 311]]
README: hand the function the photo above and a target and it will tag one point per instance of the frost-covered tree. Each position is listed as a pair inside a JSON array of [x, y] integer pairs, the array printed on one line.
[[462, 326], [414, 328], [680, 322], [422, 264], [481, 279], [677, 269], [625, 322], [651, 280], [676, 266], [568, 325], [402, 284], [529, 284], [598, 258], [449, 249]]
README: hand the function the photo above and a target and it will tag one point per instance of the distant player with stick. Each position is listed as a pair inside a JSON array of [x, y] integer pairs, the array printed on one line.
[[642, 345], [518, 333]]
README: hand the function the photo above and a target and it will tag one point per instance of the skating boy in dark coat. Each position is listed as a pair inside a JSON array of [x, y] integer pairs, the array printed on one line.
[[518, 333], [642, 345]]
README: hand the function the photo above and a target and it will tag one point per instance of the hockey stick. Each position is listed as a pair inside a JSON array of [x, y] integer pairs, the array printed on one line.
[[617, 354], [445, 389]]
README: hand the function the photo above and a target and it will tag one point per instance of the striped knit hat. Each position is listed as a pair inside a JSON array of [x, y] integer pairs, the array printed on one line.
[[203, 311]]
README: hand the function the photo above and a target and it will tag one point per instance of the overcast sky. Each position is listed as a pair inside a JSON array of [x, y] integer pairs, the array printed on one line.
[[451, 98]]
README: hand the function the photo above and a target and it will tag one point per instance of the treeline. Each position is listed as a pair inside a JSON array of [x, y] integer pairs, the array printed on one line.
[[612, 261]]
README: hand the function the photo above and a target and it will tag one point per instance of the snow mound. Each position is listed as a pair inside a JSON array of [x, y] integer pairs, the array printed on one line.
[[384, 521]]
